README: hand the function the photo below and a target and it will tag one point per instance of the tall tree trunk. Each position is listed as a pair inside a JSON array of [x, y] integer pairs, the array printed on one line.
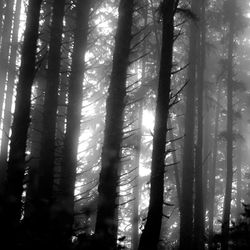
[[239, 178], [16, 164], [186, 209], [36, 113], [151, 233], [46, 162], [229, 158], [69, 163], [9, 95], [199, 215], [136, 188], [106, 224], [1, 18], [212, 174], [5, 47]]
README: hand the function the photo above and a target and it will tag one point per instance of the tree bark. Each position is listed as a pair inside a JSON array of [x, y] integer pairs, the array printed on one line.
[[16, 164], [229, 157], [106, 224], [69, 163], [186, 209], [46, 162], [151, 233]]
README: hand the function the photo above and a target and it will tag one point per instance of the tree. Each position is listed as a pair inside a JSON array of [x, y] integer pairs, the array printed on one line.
[[186, 209], [106, 225], [151, 233], [12, 206], [229, 175], [75, 98]]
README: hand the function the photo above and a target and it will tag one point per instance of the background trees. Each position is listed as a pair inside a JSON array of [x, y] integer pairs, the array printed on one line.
[[129, 122]]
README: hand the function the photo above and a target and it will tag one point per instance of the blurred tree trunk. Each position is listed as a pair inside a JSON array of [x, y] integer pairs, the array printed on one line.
[[46, 161], [186, 209], [239, 177], [69, 163], [1, 18], [106, 224], [199, 215], [9, 95], [151, 233], [212, 174], [16, 164], [229, 157], [5, 47]]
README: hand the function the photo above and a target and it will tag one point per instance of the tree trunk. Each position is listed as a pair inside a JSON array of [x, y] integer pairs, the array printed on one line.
[[69, 163], [16, 163], [151, 233], [5, 47], [46, 162], [212, 175], [106, 224], [9, 95], [229, 158], [186, 209], [199, 215]]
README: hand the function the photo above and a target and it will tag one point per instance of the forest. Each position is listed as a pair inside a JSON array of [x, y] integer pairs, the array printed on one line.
[[125, 124]]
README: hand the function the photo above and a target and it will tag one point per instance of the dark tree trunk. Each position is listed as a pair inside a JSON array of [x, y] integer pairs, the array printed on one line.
[[5, 46], [36, 113], [186, 209], [229, 158], [151, 233], [16, 163], [199, 215], [106, 224], [9, 95], [69, 163], [46, 163]]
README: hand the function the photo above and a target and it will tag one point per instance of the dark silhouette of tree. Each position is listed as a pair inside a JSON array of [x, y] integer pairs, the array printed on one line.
[[12, 207], [75, 98], [186, 208], [106, 224], [42, 219], [151, 233]]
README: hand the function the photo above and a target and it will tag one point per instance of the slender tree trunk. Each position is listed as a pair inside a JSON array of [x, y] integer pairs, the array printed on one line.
[[212, 175], [239, 178], [1, 18], [106, 224], [229, 158], [199, 215], [69, 163], [9, 95], [136, 188], [151, 233], [16, 164], [5, 47], [175, 162], [36, 113], [46, 162], [186, 209]]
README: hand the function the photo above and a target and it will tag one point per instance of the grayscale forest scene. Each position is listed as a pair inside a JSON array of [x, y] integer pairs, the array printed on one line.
[[125, 124]]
